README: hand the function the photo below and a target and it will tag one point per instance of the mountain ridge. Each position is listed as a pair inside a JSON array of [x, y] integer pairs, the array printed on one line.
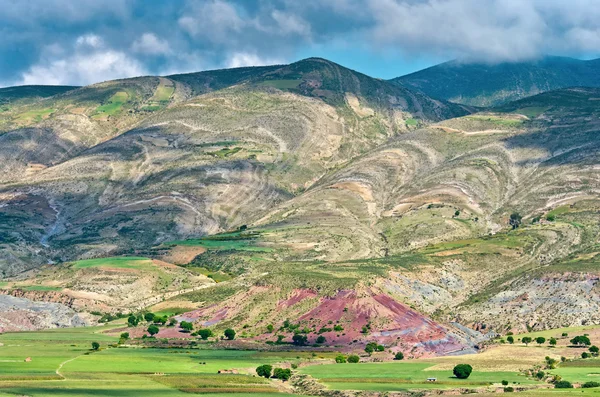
[[481, 84]]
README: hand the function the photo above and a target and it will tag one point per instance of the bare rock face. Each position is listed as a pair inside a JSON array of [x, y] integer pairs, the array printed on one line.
[[21, 314]]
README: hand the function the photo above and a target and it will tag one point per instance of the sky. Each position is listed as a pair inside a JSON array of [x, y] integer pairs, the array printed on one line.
[[78, 42]]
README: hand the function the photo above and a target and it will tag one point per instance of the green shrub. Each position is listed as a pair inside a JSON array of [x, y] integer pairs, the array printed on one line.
[[563, 384], [340, 359], [353, 359], [462, 371], [504, 383], [229, 334], [321, 339], [95, 345], [282, 373], [509, 389], [399, 356], [264, 370], [590, 384]]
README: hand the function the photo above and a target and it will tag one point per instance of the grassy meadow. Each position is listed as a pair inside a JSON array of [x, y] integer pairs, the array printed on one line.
[[62, 363]]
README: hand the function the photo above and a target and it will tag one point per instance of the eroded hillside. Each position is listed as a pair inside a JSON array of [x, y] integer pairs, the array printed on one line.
[[352, 200]]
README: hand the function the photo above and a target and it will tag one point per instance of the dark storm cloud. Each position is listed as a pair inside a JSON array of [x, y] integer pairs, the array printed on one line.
[[80, 42]]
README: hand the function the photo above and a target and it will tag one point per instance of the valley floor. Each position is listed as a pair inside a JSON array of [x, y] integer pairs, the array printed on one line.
[[60, 362]]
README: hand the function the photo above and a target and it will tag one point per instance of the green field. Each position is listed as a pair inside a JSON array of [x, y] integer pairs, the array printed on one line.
[[114, 105], [62, 364], [390, 376], [38, 288], [282, 84], [34, 116], [121, 262]]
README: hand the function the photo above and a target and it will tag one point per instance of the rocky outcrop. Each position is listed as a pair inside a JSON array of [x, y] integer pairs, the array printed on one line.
[[22, 314]]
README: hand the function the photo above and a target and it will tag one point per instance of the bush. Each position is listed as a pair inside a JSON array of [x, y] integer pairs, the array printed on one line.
[[338, 328], [510, 339], [462, 371], [205, 333], [353, 359], [563, 384], [149, 317], [125, 335], [585, 355], [581, 340], [153, 330], [509, 389], [594, 349], [540, 339], [321, 339], [399, 356], [552, 341], [504, 383], [282, 373], [186, 326], [540, 374], [264, 370], [229, 334], [590, 384], [132, 321], [299, 339], [270, 328], [95, 345], [564, 335], [340, 359]]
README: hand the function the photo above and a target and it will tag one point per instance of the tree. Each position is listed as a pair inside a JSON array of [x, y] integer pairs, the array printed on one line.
[[581, 340], [371, 347], [540, 374], [540, 339], [399, 356], [563, 384], [380, 348], [594, 350], [282, 373], [564, 335], [149, 317], [353, 359], [132, 321], [299, 339], [229, 334], [510, 339], [321, 339], [172, 322], [585, 355], [590, 384], [462, 371], [526, 340], [504, 383], [125, 335], [340, 359], [205, 333], [160, 320], [552, 341], [95, 345], [186, 326], [264, 370], [515, 220], [153, 330]]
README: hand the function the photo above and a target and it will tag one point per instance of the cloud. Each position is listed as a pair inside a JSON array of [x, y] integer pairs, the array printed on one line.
[[148, 43], [240, 59], [89, 62], [154, 36]]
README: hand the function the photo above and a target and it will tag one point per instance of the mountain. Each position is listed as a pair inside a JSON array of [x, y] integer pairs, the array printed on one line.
[[310, 193], [94, 165], [479, 84]]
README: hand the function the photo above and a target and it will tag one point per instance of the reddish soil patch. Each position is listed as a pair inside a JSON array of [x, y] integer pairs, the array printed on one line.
[[296, 297]]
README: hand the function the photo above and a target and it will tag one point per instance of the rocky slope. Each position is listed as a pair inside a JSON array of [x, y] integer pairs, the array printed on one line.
[[311, 190]]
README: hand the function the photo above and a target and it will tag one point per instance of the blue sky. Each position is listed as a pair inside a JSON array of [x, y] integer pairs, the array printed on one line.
[[86, 41]]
